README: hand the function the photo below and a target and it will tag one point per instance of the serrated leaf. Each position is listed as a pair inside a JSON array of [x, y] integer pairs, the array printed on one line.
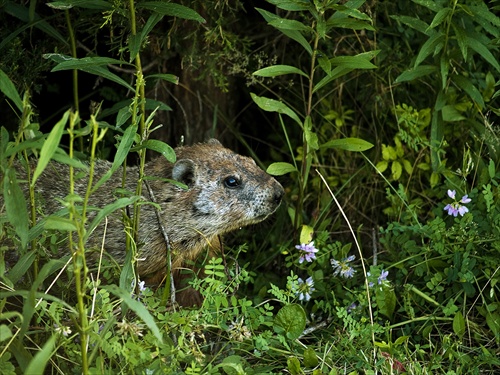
[[349, 144], [278, 70], [290, 321], [272, 105], [414, 73], [171, 9], [280, 168]]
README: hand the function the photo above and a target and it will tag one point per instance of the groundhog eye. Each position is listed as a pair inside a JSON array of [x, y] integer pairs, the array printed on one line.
[[231, 182]]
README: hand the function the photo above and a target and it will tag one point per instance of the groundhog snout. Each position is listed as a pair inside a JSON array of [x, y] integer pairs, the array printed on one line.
[[278, 194]]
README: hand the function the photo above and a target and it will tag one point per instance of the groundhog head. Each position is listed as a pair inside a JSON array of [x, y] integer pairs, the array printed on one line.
[[227, 190]]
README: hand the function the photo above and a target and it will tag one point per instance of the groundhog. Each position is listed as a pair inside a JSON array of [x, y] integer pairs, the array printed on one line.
[[225, 191]]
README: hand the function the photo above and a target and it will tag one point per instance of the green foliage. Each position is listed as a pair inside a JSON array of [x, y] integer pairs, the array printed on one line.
[[419, 291]]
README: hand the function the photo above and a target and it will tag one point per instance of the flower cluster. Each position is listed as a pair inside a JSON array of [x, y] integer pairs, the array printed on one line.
[[380, 280], [343, 268], [457, 207], [307, 252], [304, 289]]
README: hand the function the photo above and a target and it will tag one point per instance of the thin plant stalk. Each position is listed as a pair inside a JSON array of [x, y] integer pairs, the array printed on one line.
[[367, 286]]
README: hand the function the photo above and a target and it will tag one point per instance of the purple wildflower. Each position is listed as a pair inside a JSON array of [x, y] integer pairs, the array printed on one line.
[[380, 280], [342, 268], [457, 207], [304, 289], [307, 252]]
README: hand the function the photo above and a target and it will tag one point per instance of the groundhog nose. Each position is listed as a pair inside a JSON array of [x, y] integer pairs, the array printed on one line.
[[278, 194]]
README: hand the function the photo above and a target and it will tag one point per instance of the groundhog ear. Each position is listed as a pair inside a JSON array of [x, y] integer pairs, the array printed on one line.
[[213, 141], [184, 171]]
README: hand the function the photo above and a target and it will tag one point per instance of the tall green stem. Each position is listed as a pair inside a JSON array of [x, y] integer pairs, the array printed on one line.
[[76, 98], [139, 101]]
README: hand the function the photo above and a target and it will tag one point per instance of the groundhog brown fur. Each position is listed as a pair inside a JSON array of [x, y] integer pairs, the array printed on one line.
[[225, 191]]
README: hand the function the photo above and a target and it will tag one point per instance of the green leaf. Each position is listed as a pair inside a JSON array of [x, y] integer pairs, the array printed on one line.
[[86, 4], [431, 45], [137, 307], [440, 17], [461, 39], [306, 234], [471, 90], [284, 24], [414, 73], [15, 206], [345, 67], [292, 34], [386, 298], [92, 65], [49, 146], [430, 4], [39, 362], [407, 166], [280, 168], [59, 223], [451, 114], [293, 365], [171, 9], [32, 20], [290, 321], [108, 209], [22, 265], [121, 153], [272, 105], [291, 5], [349, 144], [382, 166], [480, 48], [396, 170], [166, 77], [459, 324], [361, 61], [415, 24], [310, 358], [158, 146], [9, 90], [349, 23], [278, 70]]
